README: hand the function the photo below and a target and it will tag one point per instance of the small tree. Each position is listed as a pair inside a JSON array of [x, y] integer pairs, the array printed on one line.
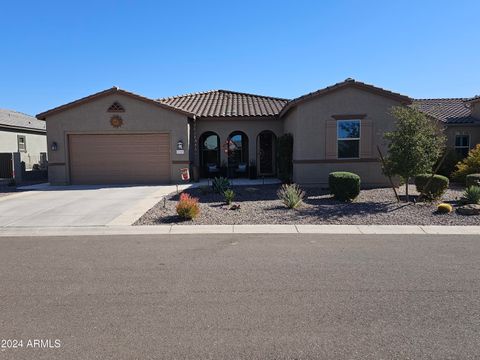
[[414, 146]]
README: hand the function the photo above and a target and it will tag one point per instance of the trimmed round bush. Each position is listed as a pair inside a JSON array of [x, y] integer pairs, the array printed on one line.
[[444, 208], [344, 186], [473, 180], [436, 188]]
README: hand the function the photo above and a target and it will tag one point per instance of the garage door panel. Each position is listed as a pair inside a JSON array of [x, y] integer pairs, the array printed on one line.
[[119, 159]]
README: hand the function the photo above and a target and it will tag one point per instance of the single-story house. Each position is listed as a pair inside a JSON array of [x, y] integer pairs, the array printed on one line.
[[23, 134], [115, 136]]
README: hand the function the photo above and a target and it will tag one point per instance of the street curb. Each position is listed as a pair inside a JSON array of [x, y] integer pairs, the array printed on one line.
[[242, 229]]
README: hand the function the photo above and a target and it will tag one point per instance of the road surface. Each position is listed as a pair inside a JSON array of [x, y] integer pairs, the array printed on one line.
[[241, 297]]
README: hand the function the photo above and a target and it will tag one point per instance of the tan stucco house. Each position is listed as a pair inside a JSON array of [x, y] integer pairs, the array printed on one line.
[[116, 137]]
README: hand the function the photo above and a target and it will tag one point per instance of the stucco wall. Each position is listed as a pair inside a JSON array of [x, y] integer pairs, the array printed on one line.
[[307, 122], [453, 130], [35, 144], [93, 118], [476, 109], [250, 126]]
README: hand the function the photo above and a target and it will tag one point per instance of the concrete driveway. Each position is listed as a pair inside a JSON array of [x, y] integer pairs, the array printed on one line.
[[57, 206]]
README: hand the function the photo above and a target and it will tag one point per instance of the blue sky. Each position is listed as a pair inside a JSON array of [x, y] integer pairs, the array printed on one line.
[[57, 51]]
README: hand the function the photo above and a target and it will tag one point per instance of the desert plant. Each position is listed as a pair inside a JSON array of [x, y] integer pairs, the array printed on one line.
[[469, 165], [472, 180], [285, 158], [229, 195], [471, 195], [187, 207], [444, 208], [414, 146], [220, 184], [344, 186], [291, 195], [431, 187]]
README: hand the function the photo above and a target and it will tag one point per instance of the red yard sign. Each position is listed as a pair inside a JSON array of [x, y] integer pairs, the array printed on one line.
[[185, 173]]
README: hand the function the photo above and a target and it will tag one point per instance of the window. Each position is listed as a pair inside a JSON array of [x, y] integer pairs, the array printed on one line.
[[22, 144], [116, 107], [210, 153], [462, 145], [348, 139]]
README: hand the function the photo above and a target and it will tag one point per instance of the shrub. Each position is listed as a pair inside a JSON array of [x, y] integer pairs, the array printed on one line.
[[291, 195], [471, 195], [229, 195], [436, 188], [285, 157], [469, 165], [344, 186], [450, 160], [444, 208], [220, 184], [187, 207], [472, 180]]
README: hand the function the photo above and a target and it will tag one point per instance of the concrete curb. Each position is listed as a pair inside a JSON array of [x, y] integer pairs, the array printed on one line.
[[242, 229]]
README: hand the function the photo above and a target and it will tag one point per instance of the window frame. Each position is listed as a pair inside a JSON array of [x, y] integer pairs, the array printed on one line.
[[456, 148], [24, 143], [349, 139]]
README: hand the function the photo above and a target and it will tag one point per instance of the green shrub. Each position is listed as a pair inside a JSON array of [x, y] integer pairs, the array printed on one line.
[[344, 186], [472, 180], [220, 184], [291, 195], [471, 195], [444, 208], [285, 158], [469, 165], [450, 161], [229, 195], [436, 188], [187, 207]]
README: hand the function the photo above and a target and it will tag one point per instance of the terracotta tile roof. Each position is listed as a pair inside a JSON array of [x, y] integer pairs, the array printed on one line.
[[15, 119], [224, 103], [450, 111], [474, 99]]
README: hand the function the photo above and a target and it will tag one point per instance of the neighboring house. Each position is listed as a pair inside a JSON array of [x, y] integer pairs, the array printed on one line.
[[24, 134], [115, 136]]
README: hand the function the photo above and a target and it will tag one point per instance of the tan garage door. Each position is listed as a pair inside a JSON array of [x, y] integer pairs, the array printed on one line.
[[119, 159]]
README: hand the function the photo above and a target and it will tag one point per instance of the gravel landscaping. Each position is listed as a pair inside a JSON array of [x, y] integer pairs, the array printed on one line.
[[260, 205]]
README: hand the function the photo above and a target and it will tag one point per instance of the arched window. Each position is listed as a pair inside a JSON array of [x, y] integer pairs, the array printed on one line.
[[210, 153], [237, 148]]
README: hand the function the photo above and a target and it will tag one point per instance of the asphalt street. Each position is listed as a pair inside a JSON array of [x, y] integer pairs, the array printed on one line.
[[240, 296]]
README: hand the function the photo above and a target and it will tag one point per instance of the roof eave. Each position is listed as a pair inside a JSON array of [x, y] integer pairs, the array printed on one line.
[[113, 90], [22, 128], [404, 100]]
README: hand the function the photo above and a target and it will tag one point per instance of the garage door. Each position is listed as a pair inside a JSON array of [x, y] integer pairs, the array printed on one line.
[[119, 159]]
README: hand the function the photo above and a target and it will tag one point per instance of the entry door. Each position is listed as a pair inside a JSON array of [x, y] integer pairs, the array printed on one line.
[[119, 159], [266, 155]]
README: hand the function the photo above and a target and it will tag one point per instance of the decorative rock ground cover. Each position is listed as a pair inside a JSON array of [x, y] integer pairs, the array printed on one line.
[[260, 205]]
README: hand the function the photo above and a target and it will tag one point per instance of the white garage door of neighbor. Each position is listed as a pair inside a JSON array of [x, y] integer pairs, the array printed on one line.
[[119, 159]]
